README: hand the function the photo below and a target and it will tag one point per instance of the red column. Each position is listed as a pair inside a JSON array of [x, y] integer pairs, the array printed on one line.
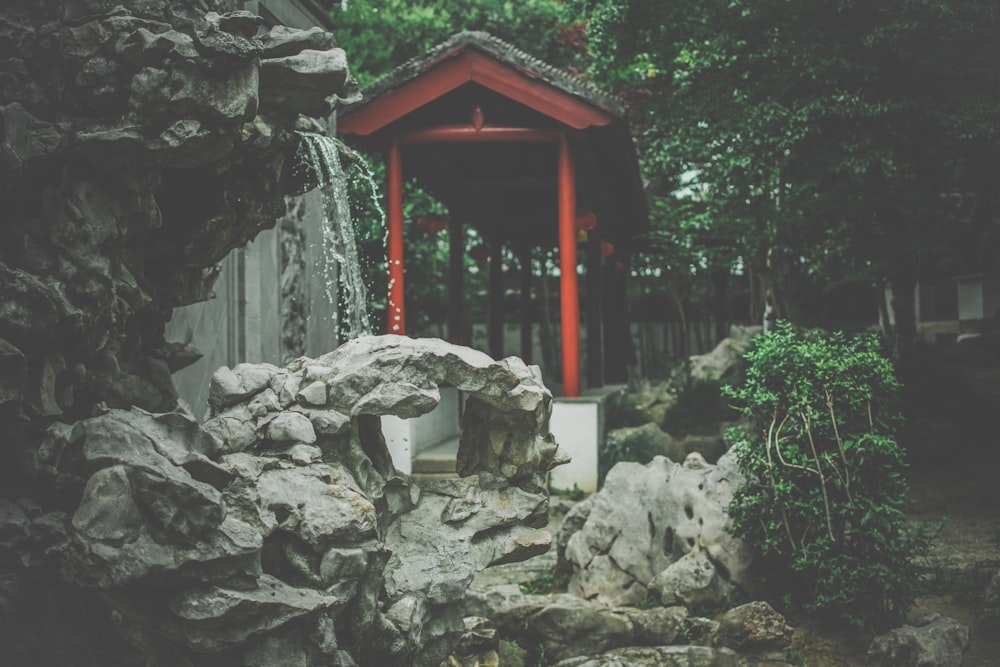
[[568, 292], [456, 274], [396, 323]]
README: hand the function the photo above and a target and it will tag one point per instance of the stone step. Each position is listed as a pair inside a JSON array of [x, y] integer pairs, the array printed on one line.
[[427, 477], [437, 460]]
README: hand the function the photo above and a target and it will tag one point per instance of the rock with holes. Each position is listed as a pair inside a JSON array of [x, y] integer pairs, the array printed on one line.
[[260, 537], [753, 627], [645, 519]]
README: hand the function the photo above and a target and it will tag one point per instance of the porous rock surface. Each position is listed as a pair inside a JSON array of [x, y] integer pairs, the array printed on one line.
[[657, 528], [140, 142], [239, 542]]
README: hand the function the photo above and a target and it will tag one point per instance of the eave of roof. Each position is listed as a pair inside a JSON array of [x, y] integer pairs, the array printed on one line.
[[503, 52]]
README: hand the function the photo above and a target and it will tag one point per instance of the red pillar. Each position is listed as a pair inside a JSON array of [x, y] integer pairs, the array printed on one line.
[[569, 291], [396, 323], [456, 275]]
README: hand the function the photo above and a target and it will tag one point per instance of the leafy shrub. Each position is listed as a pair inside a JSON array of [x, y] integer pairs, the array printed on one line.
[[824, 499]]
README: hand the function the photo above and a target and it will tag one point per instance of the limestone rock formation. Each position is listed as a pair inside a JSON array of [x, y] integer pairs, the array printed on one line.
[[135, 153], [937, 642], [569, 626], [753, 627], [724, 361], [647, 519], [658, 656], [285, 535]]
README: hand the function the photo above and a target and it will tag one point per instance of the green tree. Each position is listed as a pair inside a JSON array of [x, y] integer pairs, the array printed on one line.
[[380, 35], [823, 137]]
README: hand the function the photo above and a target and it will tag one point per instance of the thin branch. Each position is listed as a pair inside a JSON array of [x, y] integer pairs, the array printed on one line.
[[822, 480], [770, 474], [840, 444]]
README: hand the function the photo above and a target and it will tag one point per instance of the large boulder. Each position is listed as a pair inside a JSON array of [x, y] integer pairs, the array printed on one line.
[[645, 519], [569, 626], [937, 642], [725, 360]]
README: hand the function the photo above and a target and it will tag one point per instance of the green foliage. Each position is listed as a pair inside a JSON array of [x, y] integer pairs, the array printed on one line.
[[380, 35], [511, 654], [825, 494], [811, 143]]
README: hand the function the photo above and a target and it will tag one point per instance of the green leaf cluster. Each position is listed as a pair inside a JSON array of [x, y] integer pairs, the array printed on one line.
[[825, 492], [815, 144]]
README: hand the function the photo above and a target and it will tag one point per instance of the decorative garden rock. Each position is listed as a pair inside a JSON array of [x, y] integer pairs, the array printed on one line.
[[307, 540], [937, 642], [569, 626], [658, 656], [753, 627], [644, 520]]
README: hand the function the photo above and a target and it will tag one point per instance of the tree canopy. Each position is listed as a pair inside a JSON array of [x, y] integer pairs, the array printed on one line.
[[823, 142], [808, 146]]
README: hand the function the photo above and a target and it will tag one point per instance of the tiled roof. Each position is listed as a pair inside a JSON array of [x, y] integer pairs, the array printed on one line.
[[502, 51]]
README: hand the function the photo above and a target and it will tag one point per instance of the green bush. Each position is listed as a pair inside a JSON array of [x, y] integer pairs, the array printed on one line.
[[823, 504]]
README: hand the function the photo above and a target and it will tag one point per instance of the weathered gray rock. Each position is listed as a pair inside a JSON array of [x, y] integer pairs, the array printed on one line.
[[937, 642], [723, 361], [217, 618], [569, 626], [303, 82], [694, 581], [281, 41], [658, 656], [646, 518], [753, 627], [206, 511]]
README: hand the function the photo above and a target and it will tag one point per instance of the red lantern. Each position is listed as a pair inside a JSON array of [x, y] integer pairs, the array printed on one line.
[[607, 249], [480, 253], [619, 267], [585, 220], [432, 223]]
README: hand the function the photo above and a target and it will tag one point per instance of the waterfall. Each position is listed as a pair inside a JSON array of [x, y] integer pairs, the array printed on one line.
[[322, 156]]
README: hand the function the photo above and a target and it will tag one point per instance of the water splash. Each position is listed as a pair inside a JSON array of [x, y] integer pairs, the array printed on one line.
[[322, 155]]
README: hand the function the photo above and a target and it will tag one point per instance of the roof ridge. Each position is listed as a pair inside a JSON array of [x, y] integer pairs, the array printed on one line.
[[502, 50]]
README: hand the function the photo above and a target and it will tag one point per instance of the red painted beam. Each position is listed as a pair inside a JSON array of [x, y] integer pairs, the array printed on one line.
[[396, 321], [470, 134], [568, 287]]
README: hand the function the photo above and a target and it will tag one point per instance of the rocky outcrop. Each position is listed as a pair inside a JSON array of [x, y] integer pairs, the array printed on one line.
[[280, 528], [140, 142], [937, 642], [657, 528]]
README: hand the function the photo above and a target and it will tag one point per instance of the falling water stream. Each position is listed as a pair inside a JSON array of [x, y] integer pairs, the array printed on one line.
[[322, 155]]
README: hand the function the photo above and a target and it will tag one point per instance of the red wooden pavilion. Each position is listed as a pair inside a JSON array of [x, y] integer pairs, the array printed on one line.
[[526, 153]]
